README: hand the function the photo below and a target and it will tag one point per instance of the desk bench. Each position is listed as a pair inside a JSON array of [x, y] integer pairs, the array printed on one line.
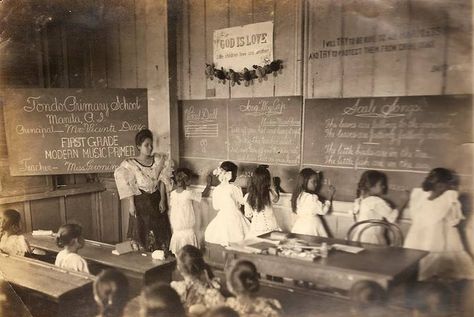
[[140, 270], [48, 290]]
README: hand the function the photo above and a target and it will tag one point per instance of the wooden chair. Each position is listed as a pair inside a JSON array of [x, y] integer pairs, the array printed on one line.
[[394, 233]]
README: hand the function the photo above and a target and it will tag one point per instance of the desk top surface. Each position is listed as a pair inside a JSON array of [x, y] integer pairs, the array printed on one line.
[[102, 253], [42, 277], [375, 260]]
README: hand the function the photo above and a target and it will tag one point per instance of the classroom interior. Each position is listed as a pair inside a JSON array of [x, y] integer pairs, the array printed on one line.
[[333, 61]]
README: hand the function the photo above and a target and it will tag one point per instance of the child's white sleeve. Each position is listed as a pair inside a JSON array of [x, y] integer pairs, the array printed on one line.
[[454, 215], [195, 195], [312, 202], [247, 208], [385, 211]]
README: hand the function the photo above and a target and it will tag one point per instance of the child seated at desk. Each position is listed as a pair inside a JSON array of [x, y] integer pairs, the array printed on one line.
[[242, 281], [11, 241], [69, 237], [111, 293], [160, 300], [199, 291]]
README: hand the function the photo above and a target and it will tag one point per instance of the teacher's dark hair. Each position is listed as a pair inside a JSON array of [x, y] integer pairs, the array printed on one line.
[[142, 135]]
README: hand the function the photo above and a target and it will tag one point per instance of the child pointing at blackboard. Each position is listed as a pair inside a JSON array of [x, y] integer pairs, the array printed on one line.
[[307, 206], [229, 225], [369, 204]]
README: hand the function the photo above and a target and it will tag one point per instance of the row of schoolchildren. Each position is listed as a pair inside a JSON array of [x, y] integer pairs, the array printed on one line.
[[434, 208], [198, 294]]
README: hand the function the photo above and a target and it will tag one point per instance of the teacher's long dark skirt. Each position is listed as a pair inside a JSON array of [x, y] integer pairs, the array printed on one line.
[[149, 218]]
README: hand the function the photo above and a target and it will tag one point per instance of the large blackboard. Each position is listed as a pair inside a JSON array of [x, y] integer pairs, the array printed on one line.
[[248, 131], [403, 136], [64, 131]]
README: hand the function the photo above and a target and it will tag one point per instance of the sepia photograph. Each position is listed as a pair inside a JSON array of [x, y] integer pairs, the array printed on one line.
[[226, 158]]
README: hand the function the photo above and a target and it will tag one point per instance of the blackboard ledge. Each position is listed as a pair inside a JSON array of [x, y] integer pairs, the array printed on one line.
[[62, 192]]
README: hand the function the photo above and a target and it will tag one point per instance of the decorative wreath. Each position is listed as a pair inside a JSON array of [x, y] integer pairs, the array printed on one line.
[[247, 75]]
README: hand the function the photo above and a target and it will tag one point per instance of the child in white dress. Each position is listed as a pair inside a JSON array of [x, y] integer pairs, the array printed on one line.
[[307, 206], [69, 237], [182, 212], [11, 241], [370, 205], [258, 203], [435, 212], [229, 225]]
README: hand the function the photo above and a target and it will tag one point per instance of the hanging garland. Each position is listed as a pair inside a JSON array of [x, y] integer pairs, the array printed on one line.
[[247, 75]]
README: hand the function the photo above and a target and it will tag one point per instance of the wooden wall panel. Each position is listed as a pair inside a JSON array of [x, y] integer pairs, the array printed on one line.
[[288, 46], [425, 75], [264, 10], [240, 13], [390, 65], [184, 46], [197, 42], [324, 74], [98, 58], [109, 217], [217, 17], [140, 44], [359, 20], [128, 48], [79, 210], [45, 214], [458, 66], [113, 55]]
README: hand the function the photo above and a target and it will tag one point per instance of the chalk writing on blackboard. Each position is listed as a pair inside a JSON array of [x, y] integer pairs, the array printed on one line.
[[201, 123], [72, 131], [268, 130], [398, 134]]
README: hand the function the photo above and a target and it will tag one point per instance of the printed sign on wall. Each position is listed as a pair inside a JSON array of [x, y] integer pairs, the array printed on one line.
[[243, 46]]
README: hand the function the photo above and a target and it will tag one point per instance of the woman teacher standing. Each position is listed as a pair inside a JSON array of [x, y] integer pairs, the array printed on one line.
[[142, 184]]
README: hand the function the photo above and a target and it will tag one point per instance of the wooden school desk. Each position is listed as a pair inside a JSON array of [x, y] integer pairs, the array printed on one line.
[[388, 266], [139, 269], [48, 290]]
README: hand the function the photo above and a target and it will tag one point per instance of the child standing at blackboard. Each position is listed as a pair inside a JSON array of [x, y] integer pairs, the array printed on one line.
[[370, 205], [229, 225], [258, 203], [436, 211], [182, 217], [307, 206]]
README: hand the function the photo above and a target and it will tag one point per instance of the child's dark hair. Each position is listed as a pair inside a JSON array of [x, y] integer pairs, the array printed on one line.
[[161, 300], [369, 179], [222, 311], [259, 189], [182, 176], [242, 278], [439, 175], [67, 233], [12, 221], [301, 185], [364, 294], [192, 263], [433, 298], [229, 166], [142, 135], [111, 290]]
